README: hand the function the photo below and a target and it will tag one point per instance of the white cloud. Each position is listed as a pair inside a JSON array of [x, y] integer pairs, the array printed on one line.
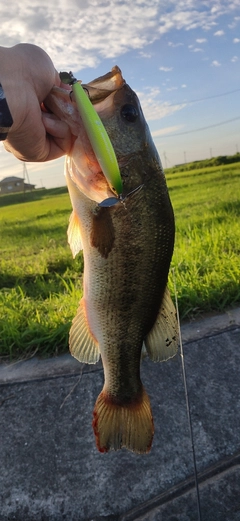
[[236, 40], [145, 54], [195, 49], [234, 22], [171, 44], [81, 33], [219, 33], [190, 15], [201, 40], [153, 108], [215, 9], [234, 59], [165, 69], [166, 130], [183, 86], [152, 92], [216, 63]]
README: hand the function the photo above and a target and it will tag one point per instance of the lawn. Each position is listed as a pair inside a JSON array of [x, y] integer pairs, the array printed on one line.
[[206, 258], [40, 283]]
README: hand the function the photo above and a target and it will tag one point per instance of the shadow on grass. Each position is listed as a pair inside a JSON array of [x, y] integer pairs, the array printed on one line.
[[36, 195], [60, 275], [37, 340], [232, 208], [212, 177], [194, 304], [33, 230], [36, 226]]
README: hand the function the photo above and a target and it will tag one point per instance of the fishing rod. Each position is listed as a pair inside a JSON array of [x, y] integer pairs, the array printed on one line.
[[187, 402]]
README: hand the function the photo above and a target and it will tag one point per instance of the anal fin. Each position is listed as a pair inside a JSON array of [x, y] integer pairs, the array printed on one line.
[[162, 341], [82, 343]]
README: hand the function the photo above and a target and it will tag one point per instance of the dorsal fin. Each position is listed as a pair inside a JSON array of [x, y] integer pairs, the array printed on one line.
[[162, 341], [82, 343]]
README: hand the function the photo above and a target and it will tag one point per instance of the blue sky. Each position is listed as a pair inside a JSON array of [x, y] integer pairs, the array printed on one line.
[[181, 57]]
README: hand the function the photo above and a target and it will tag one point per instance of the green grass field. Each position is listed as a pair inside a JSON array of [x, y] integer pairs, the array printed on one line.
[[41, 284]]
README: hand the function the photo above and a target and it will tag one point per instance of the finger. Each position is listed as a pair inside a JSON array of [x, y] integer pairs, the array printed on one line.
[[59, 137], [48, 140]]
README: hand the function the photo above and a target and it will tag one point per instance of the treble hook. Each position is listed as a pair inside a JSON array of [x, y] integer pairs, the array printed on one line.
[[111, 201]]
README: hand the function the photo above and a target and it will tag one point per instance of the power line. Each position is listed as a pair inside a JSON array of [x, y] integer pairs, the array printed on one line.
[[203, 99], [199, 129]]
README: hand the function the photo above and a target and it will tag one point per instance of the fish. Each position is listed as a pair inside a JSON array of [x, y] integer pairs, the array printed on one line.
[[127, 242]]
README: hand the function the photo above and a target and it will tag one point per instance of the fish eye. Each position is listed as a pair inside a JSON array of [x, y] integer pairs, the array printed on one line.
[[129, 112]]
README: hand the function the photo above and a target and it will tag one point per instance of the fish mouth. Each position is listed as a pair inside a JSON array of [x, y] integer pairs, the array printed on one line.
[[81, 164], [100, 88]]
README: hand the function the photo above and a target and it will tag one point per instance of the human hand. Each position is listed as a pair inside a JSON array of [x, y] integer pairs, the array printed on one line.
[[27, 75]]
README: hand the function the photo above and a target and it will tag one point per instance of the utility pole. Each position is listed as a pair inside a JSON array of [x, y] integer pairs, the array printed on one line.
[[25, 173], [25, 176], [166, 160]]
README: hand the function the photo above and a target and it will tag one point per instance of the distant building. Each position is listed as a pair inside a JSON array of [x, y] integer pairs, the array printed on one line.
[[8, 185]]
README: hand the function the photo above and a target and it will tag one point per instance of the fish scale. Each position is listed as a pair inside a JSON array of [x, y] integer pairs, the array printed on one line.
[[127, 250]]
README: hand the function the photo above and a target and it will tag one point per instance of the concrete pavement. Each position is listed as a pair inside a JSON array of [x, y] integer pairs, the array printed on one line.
[[52, 471]]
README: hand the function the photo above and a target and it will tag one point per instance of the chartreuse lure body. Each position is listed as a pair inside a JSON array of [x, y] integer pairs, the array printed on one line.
[[97, 133]]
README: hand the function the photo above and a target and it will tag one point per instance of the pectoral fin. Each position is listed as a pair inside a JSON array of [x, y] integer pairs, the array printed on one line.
[[162, 341], [74, 235], [82, 344]]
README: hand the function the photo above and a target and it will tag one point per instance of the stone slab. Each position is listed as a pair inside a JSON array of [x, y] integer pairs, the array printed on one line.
[[51, 469]]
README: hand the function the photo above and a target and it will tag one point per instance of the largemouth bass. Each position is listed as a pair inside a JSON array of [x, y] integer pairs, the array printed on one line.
[[127, 247]]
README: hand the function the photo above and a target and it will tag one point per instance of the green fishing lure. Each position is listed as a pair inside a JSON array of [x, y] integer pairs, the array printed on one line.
[[96, 132]]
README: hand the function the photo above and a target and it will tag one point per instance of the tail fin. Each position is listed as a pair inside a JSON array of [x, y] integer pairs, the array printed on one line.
[[116, 426]]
